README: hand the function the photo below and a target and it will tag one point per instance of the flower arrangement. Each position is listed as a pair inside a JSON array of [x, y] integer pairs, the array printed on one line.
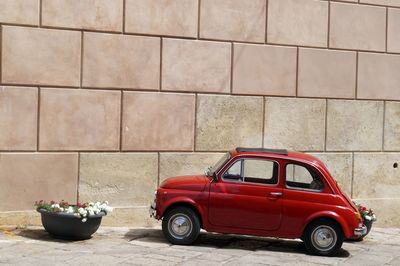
[[366, 214], [80, 210]]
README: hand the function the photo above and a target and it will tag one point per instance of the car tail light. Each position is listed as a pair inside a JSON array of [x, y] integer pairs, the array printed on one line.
[[358, 216]]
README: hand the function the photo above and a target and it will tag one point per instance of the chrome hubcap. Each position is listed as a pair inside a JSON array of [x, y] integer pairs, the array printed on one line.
[[323, 237], [180, 226]]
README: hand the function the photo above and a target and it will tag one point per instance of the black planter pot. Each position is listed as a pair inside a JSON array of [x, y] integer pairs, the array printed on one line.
[[368, 224], [68, 226]]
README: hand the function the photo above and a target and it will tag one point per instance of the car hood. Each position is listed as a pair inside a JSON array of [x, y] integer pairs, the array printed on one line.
[[190, 182]]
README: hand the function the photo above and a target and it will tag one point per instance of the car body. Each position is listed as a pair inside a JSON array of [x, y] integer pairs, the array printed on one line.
[[261, 192]]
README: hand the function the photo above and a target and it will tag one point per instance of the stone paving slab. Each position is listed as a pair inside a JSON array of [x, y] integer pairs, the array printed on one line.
[[147, 246]]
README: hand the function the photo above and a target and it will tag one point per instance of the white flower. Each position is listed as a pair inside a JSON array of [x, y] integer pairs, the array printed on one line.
[[108, 209], [61, 209], [84, 220], [70, 210]]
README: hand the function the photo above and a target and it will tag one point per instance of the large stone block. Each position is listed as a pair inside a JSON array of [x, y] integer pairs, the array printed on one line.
[[137, 216], [326, 73], [340, 166], [375, 175], [392, 126], [158, 121], [121, 61], [357, 27], [294, 123], [178, 164], [298, 22], [103, 15], [19, 11], [378, 76], [354, 125], [40, 56], [264, 70], [196, 66], [162, 17], [387, 211], [233, 20], [226, 122], [382, 2], [124, 179], [79, 119], [27, 177], [18, 118], [393, 38]]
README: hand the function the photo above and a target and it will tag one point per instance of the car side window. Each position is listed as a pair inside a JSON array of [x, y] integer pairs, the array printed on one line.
[[234, 173], [253, 171], [300, 177]]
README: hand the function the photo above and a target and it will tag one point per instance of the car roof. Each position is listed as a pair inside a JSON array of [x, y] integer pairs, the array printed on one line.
[[278, 153]]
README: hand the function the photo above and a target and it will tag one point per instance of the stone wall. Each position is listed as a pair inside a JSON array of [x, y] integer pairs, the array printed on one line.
[[103, 99]]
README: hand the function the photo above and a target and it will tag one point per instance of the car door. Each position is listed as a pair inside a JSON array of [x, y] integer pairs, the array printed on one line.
[[306, 193], [247, 195]]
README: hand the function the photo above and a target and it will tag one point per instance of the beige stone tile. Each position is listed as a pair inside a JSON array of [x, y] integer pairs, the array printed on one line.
[[226, 122], [378, 76], [375, 176], [79, 119], [392, 126], [26, 177], [264, 70], [162, 17], [103, 15], [326, 73], [340, 166], [354, 125], [121, 61], [196, 66], [387, 211], [190, 163], [40, 56], [382, 2], [133, 216], [294, 123], [18, 118], [393, 37], [299, 22], [233, 20], [357, 27], [123, 179], [158, 121], [20, 218], [19, 11]]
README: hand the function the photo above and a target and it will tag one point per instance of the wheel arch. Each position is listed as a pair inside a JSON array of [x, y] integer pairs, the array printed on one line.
[[334, 217], [186, 204]]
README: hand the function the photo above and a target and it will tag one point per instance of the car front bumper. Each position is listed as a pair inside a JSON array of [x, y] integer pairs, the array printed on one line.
[[360, 231], [152, 210]]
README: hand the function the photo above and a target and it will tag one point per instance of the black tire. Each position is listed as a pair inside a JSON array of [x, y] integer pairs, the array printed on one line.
[[323, 237], [181, 226]]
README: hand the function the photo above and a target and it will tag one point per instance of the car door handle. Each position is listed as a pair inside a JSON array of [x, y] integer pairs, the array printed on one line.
[[275, 194]]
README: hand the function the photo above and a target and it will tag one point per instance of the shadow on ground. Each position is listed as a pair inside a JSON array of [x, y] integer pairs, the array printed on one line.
[[225, 241]]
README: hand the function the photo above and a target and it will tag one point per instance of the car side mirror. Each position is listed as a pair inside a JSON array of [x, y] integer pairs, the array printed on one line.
[[214, 177]]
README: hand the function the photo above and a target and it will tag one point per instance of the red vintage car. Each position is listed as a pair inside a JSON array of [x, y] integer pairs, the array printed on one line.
[[262, 192]]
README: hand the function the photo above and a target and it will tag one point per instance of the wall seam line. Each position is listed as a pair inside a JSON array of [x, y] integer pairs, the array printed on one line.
[[356, 80], [78, 176], [383, 126], [198, 18], [195, 122], [266, 21], [386, 32], [123, 15], [161, 64], [121, 111], [38, 119], [326, 125], [329, 24], [297, 71], [81, 61], [263, 122], [352, 175], [40, 12]]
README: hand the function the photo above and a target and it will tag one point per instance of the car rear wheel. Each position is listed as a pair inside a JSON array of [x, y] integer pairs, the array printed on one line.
[[323, 237], [181, 226]]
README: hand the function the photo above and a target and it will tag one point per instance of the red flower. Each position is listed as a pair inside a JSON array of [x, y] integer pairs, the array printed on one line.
[[78, 205], [52, 202]]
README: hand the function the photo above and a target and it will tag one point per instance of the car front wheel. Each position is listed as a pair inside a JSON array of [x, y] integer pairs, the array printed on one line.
[[323, 237], [181, 226]]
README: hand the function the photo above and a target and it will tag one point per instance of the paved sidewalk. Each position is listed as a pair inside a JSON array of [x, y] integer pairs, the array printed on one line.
[[147, 246]]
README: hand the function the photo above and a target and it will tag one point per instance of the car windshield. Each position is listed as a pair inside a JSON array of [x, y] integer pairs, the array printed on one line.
[[212, 169]]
